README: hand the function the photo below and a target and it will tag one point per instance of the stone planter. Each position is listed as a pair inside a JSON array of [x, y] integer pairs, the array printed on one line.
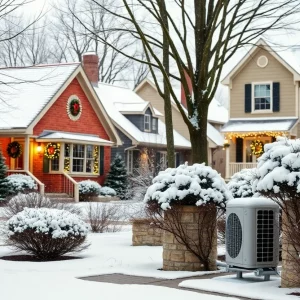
[[290, 251], [176, 257], [143, 234]]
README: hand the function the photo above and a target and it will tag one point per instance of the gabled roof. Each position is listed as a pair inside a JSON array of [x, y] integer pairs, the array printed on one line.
[[285, 57], [131, 108], [111, 97], [28, 92]]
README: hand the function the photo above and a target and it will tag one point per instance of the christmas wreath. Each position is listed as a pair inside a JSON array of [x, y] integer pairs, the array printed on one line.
[[14, 150], [75, 107], [52, 150], [257, 147]]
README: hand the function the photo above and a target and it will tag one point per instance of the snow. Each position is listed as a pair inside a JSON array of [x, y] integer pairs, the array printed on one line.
[[215, 135], [217, 113], [20, 182], [58, 223], [259, 124], [198, 183], [107, 191], [109, 95], [250, 287], [60, 136], [109, 253], [26, 91], [89, 186]]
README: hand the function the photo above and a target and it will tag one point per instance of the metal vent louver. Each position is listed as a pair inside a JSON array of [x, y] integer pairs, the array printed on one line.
[[233, 235], [265, 235]]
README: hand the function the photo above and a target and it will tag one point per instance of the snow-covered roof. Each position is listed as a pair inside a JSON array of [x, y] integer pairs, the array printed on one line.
[[259, 125], [217, 113], [59, 136], [214, 135], [26, 91], [136, 108], [109, 95]]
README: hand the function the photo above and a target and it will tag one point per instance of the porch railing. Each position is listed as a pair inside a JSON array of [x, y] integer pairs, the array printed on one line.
[[236, 167], [41, 186], [70, 187]]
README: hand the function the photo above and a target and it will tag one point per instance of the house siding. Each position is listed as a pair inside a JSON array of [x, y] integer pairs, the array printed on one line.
[[273, 72], [126, 142]]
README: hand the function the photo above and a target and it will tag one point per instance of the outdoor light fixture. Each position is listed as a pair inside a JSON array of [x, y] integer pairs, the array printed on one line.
[[226, 144], [39, 148]]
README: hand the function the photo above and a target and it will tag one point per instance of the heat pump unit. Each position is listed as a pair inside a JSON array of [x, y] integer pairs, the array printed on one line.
[[252, 233]]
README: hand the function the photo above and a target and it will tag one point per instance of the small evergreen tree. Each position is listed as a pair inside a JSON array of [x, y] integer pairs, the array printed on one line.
[[117, 177], [4, 188]]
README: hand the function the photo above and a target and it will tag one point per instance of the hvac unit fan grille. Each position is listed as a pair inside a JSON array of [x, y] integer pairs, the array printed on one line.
[[233, 235], [265, 235]]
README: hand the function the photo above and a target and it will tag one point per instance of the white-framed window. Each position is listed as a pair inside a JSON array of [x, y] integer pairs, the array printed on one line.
[[163, 160], [54, 164], [80, 158], [154, 124], [147, 119], [262, 99], [130, 161]]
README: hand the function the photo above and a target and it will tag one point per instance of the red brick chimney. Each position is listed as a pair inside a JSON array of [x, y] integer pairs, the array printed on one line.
[[90, 62], [190, 86]]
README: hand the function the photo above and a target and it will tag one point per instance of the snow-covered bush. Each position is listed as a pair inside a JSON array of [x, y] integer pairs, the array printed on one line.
[[88, 189], [47, 233], [188, 185], [241, 183], [107, 191], [20, 183]]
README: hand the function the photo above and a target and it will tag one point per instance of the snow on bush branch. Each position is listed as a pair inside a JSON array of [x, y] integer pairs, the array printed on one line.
[[189, 185], [18, 183], [279, 167], [54, 222]]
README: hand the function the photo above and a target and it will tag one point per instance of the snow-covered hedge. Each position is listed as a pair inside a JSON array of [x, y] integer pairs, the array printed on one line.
[[241, 183], [19, 183], [88, 188], [107, 191], [279, 167], [191, 185], [46, 233]]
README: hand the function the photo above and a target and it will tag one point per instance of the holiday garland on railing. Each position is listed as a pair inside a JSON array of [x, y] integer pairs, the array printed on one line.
[[14, 149], [257, 147], [52, 150]]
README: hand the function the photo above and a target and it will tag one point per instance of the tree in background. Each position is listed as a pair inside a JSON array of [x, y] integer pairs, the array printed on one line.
[[4, 188], [117, 177], [203, 36]]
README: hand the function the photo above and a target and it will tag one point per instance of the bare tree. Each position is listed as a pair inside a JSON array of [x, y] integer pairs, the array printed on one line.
[[203, 36]]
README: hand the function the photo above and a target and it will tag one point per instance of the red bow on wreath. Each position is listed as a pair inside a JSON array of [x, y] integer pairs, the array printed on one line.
[[76, 107]]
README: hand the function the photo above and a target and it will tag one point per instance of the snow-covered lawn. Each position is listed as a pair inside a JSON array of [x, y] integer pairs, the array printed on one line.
[[109, 253]]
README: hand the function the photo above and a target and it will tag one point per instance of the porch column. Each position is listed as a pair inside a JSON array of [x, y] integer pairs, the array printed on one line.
[[227, 175], [26, 153]]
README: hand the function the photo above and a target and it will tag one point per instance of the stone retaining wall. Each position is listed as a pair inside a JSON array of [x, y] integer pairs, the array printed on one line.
[[176, 257], [145, 235]]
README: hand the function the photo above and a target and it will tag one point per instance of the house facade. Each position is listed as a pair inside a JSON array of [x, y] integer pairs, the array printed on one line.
[[263, 104], [217, 117], [54, 128]]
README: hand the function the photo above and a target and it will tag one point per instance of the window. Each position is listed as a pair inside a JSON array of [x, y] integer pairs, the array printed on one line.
[[163, 160], [154, 121], [54, 164], [147, 122], [81, 158], [262, 97], [129, 161]]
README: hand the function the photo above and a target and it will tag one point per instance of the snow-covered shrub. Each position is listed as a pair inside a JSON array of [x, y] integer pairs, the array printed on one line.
[[47, 233], [20, 183], [107, 191], [241, 183], [88, 189], [188, 185]]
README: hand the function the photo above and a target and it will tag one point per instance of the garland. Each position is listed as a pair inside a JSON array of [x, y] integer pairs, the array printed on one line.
[[52, 150], [14, 150], [257, 147]]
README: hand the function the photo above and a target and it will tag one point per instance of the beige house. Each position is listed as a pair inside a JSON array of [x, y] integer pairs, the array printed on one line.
[[217, 117], [263, 104]]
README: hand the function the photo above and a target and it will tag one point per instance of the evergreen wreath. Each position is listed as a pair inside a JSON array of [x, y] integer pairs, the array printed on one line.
[[14, 150], [257, 147], [52, 150], [75, 107]]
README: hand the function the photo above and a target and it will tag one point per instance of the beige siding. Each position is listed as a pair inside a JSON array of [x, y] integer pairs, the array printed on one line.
[[148, 93], [274, 72]]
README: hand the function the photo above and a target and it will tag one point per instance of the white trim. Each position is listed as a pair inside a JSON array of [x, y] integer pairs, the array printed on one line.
[[145, 122], [262, 111], [263, 118], [262, 65]]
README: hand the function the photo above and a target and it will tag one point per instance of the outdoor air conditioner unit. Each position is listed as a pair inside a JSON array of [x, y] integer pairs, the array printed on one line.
[[252, 233]]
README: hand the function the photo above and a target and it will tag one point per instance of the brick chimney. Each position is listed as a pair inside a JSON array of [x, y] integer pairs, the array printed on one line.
[[190, 86], [90, 62]]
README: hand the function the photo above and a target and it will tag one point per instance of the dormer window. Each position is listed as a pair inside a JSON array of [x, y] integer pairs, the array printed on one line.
[[147, 119], [154, 124]]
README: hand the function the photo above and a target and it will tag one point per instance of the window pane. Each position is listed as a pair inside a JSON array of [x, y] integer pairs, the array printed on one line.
[[77, 165], [89, 151], [78, 151], [54, 164], [67, 150], [89, 166]]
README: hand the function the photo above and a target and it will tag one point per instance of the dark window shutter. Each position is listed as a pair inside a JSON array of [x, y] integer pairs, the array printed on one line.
[[177, 159], [46, 163], [276, 96], [248, 98], [239, 150], [157, 161], [101, 160]]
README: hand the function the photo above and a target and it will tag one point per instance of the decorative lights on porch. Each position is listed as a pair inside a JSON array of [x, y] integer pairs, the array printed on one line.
[[231, 135]]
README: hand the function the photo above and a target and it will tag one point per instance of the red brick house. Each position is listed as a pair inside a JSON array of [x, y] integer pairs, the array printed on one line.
[[53, 126]]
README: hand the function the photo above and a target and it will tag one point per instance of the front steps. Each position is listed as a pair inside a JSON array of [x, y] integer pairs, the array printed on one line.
[[59, 197]]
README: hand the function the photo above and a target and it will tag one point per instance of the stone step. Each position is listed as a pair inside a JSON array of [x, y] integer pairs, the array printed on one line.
[[59, 197]]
